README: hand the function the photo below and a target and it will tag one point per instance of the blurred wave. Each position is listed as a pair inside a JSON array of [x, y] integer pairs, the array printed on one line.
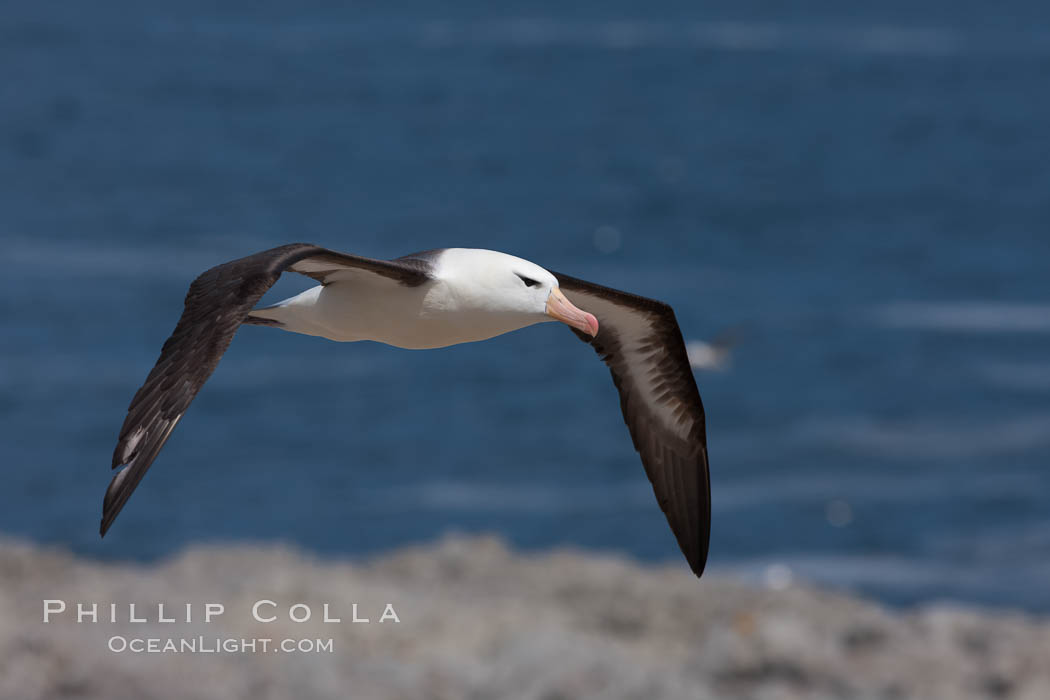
[[972, 317], [890, 576], [623, 34], [1016, 375], [933, 439]]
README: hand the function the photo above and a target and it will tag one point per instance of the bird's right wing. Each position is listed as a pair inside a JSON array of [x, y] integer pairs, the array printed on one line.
[[639, 339]]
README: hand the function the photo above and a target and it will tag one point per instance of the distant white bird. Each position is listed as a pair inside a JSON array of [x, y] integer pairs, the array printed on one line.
[[429, 300], [715, 356]]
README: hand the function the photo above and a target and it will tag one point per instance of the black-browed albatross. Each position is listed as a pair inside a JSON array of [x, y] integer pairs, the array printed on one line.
[[429, 300]]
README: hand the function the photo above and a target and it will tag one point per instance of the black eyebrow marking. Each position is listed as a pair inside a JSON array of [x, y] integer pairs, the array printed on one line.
[[529, 282]]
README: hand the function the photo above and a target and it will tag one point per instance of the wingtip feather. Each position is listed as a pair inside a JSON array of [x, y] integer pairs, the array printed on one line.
[[114, 500]]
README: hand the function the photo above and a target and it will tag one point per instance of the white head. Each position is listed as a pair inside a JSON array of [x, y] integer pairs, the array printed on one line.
[[505, 286]]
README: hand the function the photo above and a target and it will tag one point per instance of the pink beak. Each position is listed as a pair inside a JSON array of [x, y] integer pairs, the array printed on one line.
[[561, 309]]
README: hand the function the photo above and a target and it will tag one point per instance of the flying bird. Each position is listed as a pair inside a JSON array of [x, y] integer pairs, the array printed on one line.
[[434, 299]]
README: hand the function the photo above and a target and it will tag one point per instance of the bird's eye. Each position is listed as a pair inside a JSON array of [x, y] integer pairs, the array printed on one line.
[[529, 282]]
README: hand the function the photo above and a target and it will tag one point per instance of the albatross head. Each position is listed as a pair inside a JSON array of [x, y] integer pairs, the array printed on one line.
[[493, 282]]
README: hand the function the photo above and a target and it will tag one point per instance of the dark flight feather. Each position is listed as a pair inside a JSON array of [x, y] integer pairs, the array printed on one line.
[[216, 305], [639, 339]]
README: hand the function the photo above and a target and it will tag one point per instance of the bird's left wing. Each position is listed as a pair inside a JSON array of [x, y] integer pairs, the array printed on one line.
[[216, 304], [639, 339]]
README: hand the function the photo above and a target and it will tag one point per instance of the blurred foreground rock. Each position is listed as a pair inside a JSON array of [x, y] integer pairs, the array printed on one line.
[[478, 621]]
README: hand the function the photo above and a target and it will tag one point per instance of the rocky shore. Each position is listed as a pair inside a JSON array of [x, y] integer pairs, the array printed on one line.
[[475, 620]]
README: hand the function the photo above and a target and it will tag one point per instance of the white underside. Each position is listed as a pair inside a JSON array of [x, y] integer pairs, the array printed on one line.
[[365, 306]]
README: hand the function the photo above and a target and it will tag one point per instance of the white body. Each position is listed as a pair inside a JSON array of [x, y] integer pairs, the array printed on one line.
[[472, 297]]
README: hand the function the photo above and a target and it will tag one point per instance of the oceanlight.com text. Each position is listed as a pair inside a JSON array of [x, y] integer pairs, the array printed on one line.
[[218, 645]]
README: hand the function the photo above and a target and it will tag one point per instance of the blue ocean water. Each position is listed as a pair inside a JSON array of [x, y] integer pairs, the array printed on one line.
[[859, 191]]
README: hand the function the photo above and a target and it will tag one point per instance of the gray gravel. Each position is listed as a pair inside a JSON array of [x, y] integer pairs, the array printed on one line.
[[478, 621]]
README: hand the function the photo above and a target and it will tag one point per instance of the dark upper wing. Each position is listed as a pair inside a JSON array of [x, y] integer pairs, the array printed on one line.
[[640, 341], [216, 304]]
